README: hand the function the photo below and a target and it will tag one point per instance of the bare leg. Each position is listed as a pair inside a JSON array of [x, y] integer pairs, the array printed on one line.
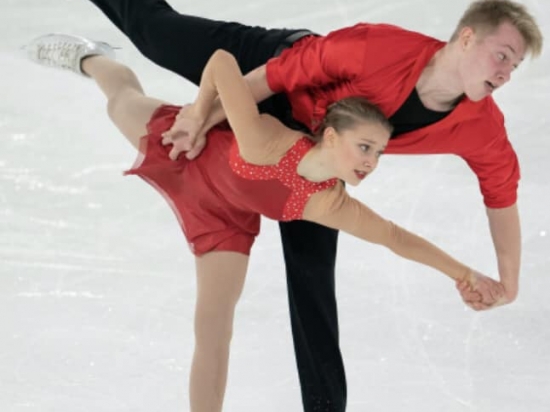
[[128, 107], [220, 280], [220, 275]]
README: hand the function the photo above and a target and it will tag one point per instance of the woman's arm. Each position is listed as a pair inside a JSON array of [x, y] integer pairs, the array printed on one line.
[[222, 78], [257, 84], [335, 208], [193, 141]]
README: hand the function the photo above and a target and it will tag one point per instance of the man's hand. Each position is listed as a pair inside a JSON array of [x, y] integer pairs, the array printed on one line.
[[481, 292], [185, 135]]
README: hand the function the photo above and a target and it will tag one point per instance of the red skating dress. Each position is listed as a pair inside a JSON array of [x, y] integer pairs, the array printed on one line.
[[218, 198]]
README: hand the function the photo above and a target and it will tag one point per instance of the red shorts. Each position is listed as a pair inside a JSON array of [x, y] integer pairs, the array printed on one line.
[[208, 221]]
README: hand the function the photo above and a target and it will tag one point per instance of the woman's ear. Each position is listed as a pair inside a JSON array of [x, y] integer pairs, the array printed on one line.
[[329, 136]]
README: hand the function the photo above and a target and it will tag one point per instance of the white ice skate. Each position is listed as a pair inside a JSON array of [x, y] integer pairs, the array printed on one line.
[[65, 51]]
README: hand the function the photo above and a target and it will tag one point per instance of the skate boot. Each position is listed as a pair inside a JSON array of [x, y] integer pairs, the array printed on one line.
[[65, 51]]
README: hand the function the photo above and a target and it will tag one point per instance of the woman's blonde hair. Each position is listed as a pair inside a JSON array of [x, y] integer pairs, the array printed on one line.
[[488, 15], [346, 113]]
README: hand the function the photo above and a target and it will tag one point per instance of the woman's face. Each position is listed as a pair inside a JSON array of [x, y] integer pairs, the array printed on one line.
[[357, 150]]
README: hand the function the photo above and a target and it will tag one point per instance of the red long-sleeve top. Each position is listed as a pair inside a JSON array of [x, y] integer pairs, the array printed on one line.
[[383, 63]]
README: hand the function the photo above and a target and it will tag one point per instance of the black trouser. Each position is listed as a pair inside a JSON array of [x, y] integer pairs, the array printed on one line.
[[183, 44]]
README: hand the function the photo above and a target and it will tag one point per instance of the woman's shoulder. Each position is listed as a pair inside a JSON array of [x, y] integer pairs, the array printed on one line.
[[326, 202], [278, 141]]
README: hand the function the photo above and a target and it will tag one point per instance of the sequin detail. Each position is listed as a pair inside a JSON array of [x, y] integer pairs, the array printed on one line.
[[286, 172]]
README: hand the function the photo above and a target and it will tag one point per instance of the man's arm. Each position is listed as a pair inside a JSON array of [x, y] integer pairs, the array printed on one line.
[[496, 166], [506, 233]]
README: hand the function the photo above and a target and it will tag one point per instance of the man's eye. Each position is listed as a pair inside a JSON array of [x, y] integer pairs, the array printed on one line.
[[364, 147]]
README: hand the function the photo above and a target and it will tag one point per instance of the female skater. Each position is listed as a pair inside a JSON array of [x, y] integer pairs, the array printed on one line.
[[256, 167]]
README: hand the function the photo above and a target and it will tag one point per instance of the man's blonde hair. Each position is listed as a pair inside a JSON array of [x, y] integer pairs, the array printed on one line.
[[488, 15]]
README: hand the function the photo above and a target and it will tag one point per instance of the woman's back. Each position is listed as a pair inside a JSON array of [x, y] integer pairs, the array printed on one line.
[[220, 192]]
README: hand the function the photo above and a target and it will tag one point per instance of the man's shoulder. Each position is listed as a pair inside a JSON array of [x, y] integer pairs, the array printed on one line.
[[388, 42], [383, 30]]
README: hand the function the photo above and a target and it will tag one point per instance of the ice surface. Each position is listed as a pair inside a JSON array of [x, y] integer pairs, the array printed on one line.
[[97, 284]]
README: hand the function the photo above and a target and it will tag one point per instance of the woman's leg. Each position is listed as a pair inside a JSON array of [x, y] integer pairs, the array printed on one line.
[[129, 109], [220, 275], [220, 280]]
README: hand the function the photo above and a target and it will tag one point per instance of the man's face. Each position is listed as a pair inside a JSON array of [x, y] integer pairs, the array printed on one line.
[[489, 58]]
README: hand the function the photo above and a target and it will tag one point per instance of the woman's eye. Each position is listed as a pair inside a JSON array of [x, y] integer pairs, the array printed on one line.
[[364, 147], [501, 56]]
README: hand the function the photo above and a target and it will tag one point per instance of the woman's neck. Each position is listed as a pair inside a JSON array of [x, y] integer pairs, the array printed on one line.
[[316, 165]]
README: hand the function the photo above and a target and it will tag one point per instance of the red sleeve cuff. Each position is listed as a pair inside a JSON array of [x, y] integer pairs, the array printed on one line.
[[272, 73]]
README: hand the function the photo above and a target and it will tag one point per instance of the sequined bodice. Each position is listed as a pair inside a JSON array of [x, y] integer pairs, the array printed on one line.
[[284, 173]]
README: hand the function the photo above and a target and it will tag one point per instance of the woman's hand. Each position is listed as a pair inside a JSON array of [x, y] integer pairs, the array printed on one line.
[[186, 134]]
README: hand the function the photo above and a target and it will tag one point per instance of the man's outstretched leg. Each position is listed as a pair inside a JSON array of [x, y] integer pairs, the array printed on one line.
[[183, 45]]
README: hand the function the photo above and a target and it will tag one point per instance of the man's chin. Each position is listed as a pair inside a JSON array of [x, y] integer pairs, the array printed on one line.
[[476, 97]]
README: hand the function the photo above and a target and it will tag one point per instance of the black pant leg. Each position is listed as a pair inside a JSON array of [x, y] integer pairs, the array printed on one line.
[[310, 255], [183, 44]]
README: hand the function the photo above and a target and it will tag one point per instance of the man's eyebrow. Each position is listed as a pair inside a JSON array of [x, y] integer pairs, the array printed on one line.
[[513, 50]]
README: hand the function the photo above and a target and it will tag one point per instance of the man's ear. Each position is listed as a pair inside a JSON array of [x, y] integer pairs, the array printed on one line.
[[466, 36]]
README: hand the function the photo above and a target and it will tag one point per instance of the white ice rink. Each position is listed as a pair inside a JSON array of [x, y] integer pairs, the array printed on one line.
[[97, 284]]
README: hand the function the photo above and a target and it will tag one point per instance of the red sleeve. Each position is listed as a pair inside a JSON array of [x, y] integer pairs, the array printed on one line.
[[498, 172], [318, 61]]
